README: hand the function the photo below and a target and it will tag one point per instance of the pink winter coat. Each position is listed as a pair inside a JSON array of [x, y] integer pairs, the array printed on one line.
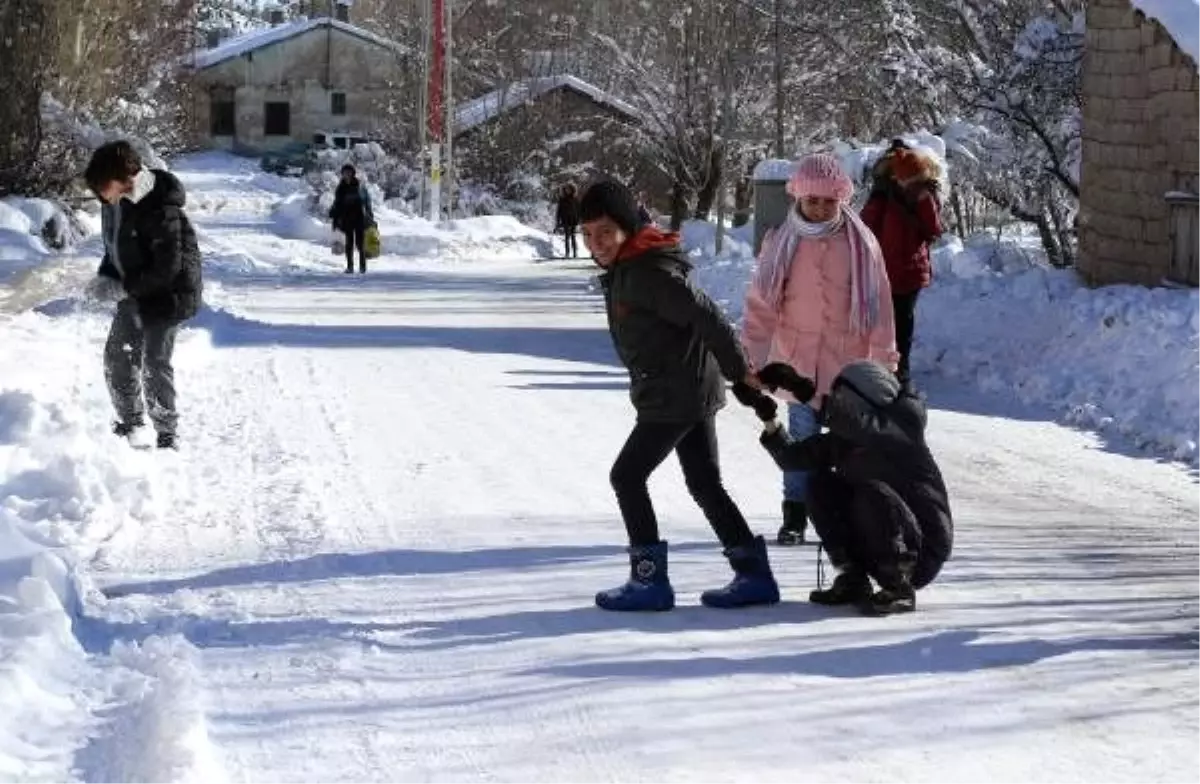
[[811, 329]]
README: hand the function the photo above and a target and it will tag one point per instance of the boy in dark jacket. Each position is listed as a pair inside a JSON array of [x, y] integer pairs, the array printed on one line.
[[152, 266], [352, 215], [566, 220], [875, 495], [676, 345]]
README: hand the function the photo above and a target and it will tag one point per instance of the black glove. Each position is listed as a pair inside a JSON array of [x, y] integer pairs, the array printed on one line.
[[764, 406], [780, 376]]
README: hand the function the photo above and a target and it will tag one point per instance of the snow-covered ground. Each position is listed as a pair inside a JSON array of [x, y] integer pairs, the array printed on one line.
[[375, 557]]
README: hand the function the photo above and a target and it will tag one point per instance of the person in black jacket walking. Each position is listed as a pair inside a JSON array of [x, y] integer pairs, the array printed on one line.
[[676, 345], [876, 495], [352, 215], [566, 220], [151, 265]]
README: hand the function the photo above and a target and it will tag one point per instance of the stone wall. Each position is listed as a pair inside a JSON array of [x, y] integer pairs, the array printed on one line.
[[305, 71], [1141, 112]]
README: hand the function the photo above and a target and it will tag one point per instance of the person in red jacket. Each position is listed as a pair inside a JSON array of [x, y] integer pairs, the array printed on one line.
[[904, 213]]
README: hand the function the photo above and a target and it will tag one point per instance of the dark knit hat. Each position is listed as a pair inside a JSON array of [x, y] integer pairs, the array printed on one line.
[[610, 199], [871, 380]]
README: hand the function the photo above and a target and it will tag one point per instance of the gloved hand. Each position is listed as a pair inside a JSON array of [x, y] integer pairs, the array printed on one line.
[[104, 289], [780, 376], [764, 406]]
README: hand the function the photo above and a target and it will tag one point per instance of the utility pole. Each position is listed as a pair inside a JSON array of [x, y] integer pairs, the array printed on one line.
[[436, 119], [449, 125], [779, 79], [423, 107]]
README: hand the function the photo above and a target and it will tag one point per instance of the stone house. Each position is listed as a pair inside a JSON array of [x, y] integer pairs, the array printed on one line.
[[556, 128], [283, 84], [1138, 178]]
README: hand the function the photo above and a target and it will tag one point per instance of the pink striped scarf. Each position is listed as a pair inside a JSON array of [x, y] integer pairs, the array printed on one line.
[[780, 249]]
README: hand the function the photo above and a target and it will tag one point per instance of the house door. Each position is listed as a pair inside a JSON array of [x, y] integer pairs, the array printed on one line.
[[1184, 211]]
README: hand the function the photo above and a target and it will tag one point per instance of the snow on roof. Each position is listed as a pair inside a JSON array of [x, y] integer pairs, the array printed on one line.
[[1180, 17], [266, 36], [487, 107]]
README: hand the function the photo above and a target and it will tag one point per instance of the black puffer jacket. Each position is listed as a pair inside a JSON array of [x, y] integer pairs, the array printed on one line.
[[158, 252], [885, 444], [672, 338]]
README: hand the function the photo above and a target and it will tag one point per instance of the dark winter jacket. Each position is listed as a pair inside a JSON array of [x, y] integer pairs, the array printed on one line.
[[159, 258], [566, 216], [672, 338], [351, 206], [905, 221], [885, 444]]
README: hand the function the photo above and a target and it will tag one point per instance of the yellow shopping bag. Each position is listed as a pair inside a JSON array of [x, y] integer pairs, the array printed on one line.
[[372, 243]]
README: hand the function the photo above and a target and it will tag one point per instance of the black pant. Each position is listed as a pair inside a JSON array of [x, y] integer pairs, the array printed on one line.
[[904, 306], [571, 249], [137, 356], [862, 524], [355, 235], [696, 445]]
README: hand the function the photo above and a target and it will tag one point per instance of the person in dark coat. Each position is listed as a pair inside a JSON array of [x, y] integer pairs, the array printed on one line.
[[352, 215], [876, 495], [151, 266], [566, 219], [676, 345], [904, 213]]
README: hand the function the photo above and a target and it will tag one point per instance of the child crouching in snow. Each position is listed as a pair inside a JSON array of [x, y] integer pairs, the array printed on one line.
[[875, 493]]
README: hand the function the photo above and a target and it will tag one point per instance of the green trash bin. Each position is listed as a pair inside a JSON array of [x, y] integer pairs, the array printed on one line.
[[771, 202]]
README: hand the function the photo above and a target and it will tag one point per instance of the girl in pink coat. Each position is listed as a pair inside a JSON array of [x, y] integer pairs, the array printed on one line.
[[819, 300]]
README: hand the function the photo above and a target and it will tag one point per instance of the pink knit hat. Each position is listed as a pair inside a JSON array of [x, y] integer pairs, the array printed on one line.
[[820, 175]]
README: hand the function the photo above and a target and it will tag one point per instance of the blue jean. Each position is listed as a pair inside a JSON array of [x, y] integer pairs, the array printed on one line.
[[802, 423]]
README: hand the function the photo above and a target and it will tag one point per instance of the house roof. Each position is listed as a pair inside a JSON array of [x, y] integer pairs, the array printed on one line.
[[487, 107], [266, 36], [1181, 18]]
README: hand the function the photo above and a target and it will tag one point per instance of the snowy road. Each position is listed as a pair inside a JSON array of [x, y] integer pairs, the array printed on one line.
[[393, 512]]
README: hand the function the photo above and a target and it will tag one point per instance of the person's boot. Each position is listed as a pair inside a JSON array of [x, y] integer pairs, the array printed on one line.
[[135, 432], [795, 521], [362, 265], [752, 584], [349, 268], [648, 587], [851, 586], [896, 594], [168, 441]]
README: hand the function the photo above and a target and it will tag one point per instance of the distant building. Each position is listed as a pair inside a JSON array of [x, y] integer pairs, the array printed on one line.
[[285, 83]]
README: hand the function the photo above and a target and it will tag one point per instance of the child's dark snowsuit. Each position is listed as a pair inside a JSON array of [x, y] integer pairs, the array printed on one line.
[[876, 496]]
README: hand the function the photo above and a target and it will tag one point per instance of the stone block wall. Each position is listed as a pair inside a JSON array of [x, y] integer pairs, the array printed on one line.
[[1141, 116]]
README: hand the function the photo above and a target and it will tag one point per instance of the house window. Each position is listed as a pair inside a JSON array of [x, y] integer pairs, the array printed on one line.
[[342, 12], [223, 117], [337, 103], [276, 16], [278, 116]]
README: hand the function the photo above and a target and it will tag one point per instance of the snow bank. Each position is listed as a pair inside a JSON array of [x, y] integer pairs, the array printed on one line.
[[410, 237], [1180, 17], [68, 490], [33, 230], [1120, 359]]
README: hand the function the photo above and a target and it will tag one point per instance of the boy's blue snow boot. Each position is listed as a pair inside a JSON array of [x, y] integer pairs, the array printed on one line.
[[648, 588], [752, 582]]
